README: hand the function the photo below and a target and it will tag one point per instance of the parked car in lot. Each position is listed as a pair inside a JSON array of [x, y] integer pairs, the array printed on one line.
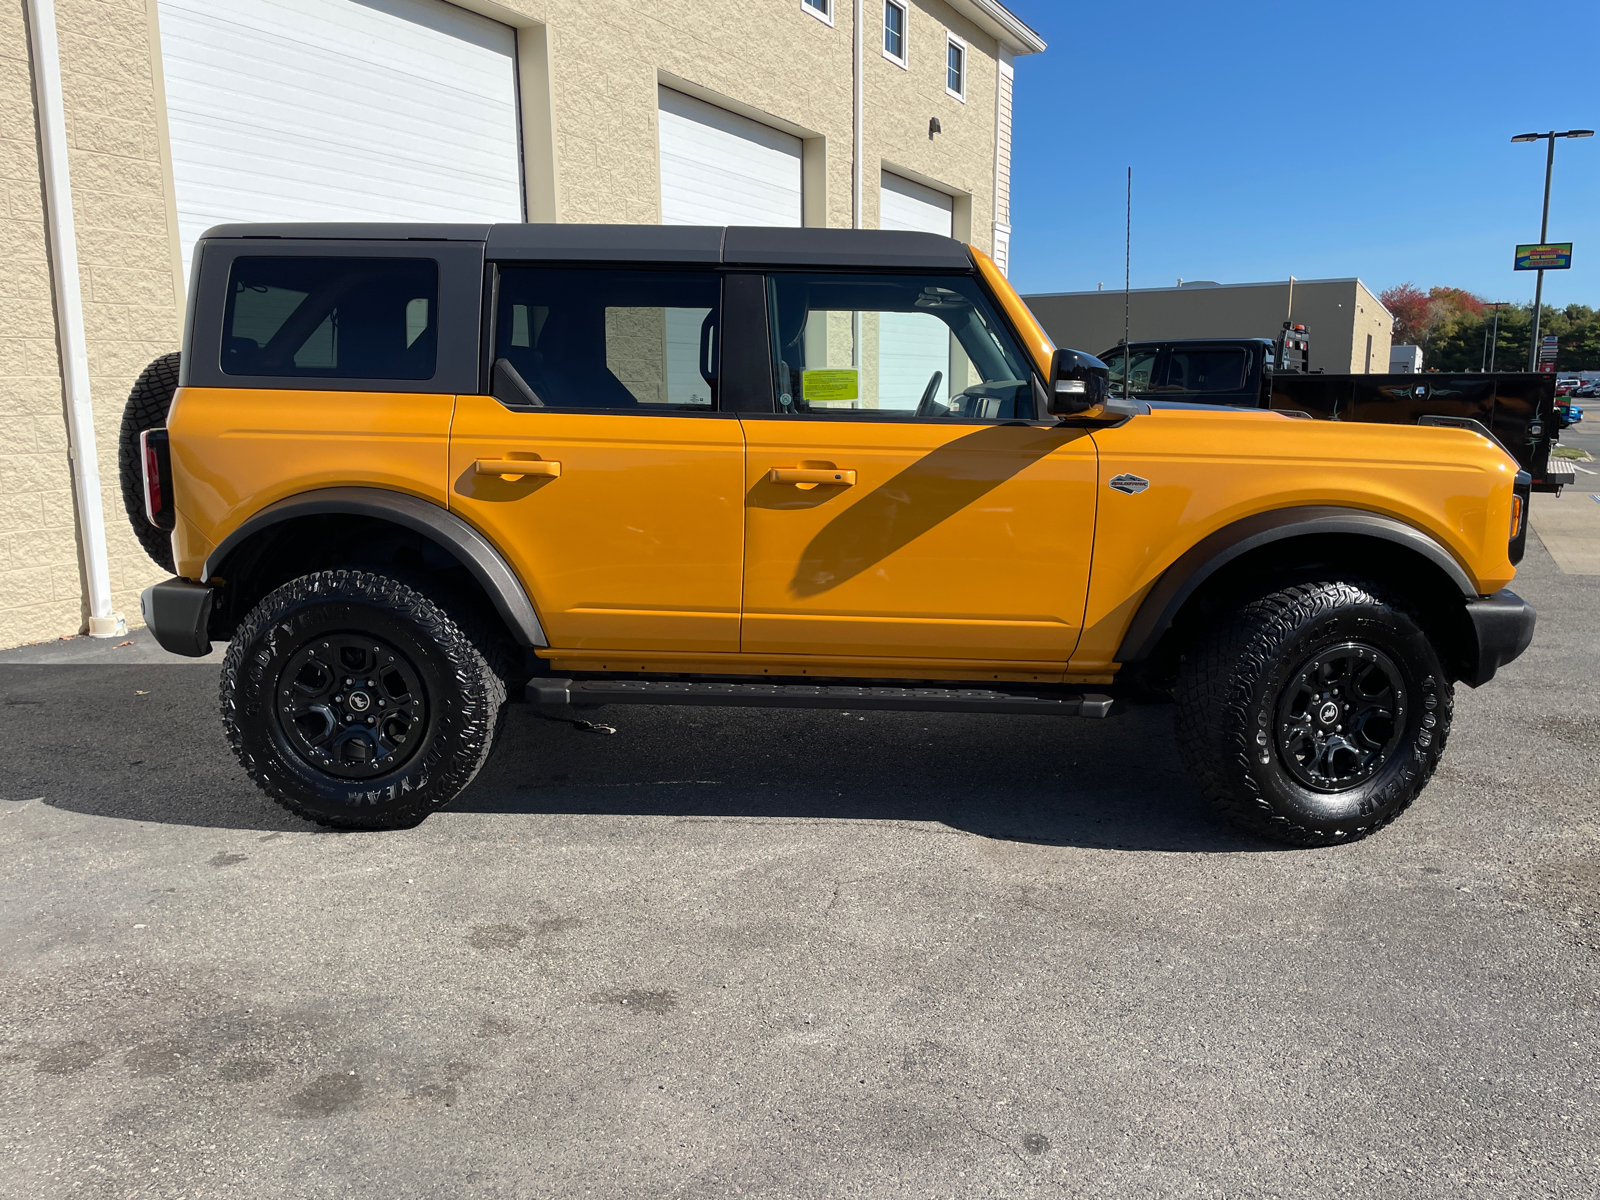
[[1586, 389], [412, 472]]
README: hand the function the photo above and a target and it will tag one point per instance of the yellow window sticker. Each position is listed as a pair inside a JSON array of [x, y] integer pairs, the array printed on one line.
[[830, 385]]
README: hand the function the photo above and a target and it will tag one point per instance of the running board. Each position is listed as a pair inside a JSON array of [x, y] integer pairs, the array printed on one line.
[[588, 693]]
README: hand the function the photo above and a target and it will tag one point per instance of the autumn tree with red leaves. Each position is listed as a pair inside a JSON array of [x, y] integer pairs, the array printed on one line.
[[1418, 315], [1408, 305]]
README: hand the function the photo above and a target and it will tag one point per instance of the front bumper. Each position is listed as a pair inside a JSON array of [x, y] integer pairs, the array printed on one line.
[[1502, 626], [178, 613]]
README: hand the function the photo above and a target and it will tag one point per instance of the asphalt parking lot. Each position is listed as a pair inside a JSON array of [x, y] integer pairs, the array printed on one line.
[[729, 953]]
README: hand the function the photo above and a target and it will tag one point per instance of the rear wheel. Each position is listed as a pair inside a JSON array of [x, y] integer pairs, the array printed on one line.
[[359, 701], [1316, 715]]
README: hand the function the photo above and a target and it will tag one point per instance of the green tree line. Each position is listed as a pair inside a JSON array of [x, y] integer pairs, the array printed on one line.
[[1458, 344], [1455, 328]]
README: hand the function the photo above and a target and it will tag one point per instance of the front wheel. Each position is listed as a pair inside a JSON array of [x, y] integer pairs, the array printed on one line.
[[359, 701], [1315, 715]]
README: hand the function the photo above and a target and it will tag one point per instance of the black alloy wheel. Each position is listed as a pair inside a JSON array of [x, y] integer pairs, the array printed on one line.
[[351, 705], [1316, 714], [360, 701], [1339, 718]]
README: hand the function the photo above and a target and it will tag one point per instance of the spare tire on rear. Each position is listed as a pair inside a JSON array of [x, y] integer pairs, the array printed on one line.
[[147, 408]]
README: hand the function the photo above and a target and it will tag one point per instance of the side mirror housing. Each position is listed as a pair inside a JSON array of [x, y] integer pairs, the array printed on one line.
[[1078, 382]]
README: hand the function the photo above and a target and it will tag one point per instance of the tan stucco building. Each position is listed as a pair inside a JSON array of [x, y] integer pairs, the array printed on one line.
[[174, 115], [1350, 328]]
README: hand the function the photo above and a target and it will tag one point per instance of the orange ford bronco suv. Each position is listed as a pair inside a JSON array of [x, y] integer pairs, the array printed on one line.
[[411, 472]]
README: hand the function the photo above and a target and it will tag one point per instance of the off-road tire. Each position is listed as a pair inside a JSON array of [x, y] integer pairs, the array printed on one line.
[[1238, 682], [459, 665], [147, 408]]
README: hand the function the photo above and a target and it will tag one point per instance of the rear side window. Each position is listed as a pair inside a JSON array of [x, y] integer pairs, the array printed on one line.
[[1198, 372], [338, 318], [603, 338]]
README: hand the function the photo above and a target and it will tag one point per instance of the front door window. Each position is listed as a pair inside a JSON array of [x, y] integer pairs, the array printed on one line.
[[886, 347]]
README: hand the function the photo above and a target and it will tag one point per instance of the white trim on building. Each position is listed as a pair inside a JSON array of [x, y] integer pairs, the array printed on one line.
[[1002, 161]]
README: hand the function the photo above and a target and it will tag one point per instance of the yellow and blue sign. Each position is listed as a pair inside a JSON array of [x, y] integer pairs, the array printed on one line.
[[1552, 256]]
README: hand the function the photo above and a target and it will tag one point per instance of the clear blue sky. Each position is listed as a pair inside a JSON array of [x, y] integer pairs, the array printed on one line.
[[1313, 139]]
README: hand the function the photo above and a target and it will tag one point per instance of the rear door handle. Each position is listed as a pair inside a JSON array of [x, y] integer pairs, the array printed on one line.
[[516, 468], [812, 475]]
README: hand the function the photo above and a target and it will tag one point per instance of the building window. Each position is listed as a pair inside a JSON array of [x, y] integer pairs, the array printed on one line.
[[955, 69], [822, 10], [894, 32]]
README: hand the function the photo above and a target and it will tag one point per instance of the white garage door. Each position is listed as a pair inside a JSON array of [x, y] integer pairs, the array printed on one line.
[[718, 168], [913, 346], [906, 204], [339, 110]]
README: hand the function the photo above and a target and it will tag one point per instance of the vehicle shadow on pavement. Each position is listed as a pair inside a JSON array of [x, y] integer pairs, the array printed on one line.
[[1107, 784], [144, 743]]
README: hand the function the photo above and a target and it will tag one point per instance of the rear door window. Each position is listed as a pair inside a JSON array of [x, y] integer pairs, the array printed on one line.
[[646, 341], [332, 318]]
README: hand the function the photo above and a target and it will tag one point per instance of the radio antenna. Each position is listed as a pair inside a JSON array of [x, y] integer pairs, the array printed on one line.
[[1127, 274]]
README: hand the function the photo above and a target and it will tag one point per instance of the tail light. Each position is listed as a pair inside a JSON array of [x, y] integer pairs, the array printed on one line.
[[1521, 495], [156, 453]]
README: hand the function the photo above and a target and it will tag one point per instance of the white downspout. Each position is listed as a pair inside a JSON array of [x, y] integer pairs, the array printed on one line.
[[857, 128], [857, 171], [69, 318]]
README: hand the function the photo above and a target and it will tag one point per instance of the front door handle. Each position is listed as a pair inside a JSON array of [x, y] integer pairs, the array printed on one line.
[[516, 468], [812, 475]]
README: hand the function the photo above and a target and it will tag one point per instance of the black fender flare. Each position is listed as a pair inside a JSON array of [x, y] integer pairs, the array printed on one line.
[[474, 551], [1206, 557]]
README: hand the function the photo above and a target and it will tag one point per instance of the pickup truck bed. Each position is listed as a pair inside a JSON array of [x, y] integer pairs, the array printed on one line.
[[1517, 410]]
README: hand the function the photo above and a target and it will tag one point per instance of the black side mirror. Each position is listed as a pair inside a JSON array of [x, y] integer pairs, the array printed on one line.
[[1078, 382]]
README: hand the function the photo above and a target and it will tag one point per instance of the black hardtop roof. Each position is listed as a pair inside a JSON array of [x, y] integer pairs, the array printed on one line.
[[732, 245]]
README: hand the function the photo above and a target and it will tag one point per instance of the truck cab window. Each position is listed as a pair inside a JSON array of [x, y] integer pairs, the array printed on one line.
[[1144, 365], [1204, 371]]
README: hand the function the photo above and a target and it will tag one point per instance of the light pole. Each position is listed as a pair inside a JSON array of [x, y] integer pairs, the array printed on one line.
[[1491, 345], [1544, 223]]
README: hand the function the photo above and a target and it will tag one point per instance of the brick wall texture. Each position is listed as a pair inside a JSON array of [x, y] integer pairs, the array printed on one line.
[[607, 59]]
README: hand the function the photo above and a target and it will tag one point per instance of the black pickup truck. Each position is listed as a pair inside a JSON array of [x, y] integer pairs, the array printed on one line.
[[1516, 410]]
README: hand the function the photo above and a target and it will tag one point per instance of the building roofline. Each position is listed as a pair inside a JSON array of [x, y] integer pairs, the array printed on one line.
[[1001, 23], [1207, 288]]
